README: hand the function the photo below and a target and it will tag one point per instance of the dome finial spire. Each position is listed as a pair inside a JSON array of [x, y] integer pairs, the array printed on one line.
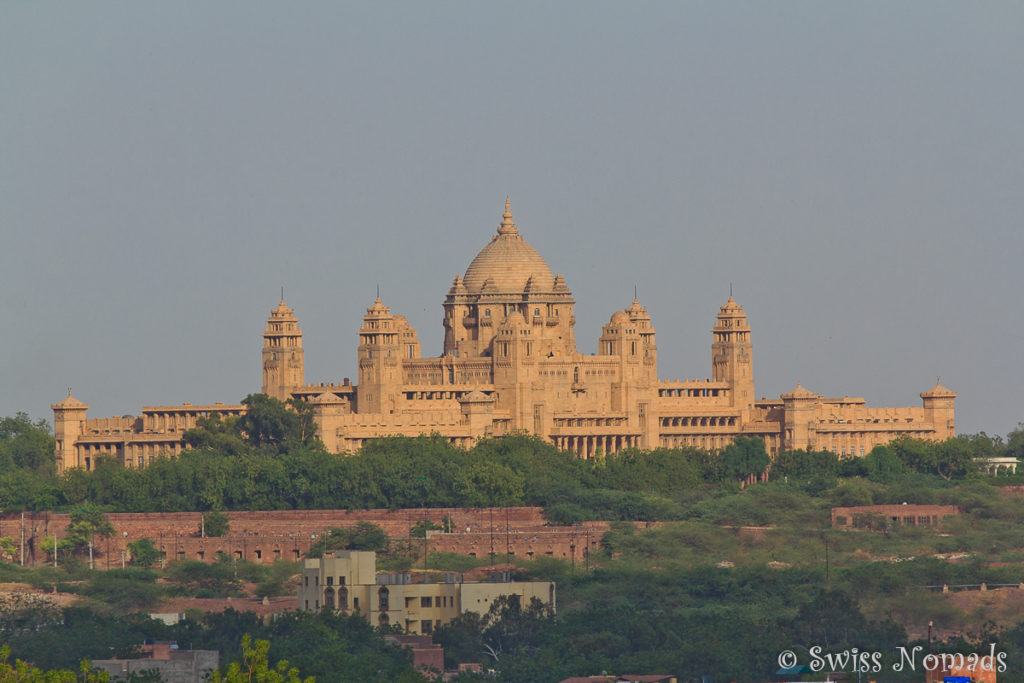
[[507, 227]]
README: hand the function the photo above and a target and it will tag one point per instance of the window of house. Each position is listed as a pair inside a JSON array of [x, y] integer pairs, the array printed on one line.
[[425, 602], [355, 604], [427, 626], [330, 580]]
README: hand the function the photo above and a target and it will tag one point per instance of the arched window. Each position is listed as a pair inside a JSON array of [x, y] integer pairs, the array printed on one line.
[[343, 598], [329, 598], [382, 601]]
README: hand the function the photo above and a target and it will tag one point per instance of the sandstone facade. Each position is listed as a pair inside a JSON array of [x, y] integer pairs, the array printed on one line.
[[509, 364]]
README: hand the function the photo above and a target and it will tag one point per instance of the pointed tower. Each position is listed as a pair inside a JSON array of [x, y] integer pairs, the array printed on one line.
[[380, 370], [283, 359], [68, 424], [732, 357]]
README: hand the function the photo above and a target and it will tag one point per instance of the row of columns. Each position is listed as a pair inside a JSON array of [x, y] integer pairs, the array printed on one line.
[[703, 421], [587, 446]]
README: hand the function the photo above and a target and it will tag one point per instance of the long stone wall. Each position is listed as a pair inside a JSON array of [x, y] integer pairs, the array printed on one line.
[[288, 534]]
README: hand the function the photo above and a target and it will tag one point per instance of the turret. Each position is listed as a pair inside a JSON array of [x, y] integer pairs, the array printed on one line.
[[380, 368], [799, 409], [283, 359], [630, 336], [68, 424], [732, 357], [939, 408]]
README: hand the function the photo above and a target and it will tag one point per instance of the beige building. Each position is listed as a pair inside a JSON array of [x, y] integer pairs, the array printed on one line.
[[348, 581], [510, 364]]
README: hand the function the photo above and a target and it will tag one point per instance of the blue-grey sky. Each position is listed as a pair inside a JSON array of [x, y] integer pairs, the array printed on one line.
[[855, 170]]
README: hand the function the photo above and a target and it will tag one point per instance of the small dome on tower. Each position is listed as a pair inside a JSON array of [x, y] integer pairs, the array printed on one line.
[[938, 391], [69, 402], [799, 392]]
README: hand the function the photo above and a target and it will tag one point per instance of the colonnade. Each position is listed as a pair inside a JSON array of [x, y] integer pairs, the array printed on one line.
[[588, 446]]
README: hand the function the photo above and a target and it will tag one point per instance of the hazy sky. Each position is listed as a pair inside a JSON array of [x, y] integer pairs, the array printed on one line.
[[855, 170]]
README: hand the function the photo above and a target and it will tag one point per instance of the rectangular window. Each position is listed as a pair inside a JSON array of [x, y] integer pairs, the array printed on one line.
[[306, 579], [425, 602], [409, 602], [355, 604], [330, 580], [428, 626]]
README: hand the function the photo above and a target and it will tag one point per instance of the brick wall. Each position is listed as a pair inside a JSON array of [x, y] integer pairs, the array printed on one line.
[[267, 535]]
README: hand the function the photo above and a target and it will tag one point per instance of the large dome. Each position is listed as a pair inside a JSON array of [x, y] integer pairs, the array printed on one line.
[[508, 262]]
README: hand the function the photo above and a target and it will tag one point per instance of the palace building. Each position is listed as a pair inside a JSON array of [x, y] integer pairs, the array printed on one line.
[[510, 364]]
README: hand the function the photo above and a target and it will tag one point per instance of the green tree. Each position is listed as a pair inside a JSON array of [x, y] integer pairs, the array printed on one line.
[[214, 524], [87, 523], [948, 459], [744, 459], [1015, 442], [804, 464], [217, 435], [205, 580], [268, 422], [8, 548], [22, 671], [26, 445], [420, 528], [362, 536], [255, 667], [144, 552], [882, 464]]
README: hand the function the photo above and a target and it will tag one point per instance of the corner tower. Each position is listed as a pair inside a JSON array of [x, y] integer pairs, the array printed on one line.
[[380, 369], [939, 409], [283, 360], [732, 357], [68, 422]]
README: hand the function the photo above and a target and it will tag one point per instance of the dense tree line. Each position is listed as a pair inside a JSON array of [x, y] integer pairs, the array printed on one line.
[[270, 459]]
